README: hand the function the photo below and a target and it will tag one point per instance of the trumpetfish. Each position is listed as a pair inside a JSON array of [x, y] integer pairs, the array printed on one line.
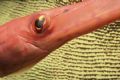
[[26, 40]]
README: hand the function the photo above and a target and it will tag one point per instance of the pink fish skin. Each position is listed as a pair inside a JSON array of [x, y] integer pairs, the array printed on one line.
[[22, 43]]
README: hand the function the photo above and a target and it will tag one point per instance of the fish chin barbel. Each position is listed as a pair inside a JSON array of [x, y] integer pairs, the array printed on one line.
[[26, 40]]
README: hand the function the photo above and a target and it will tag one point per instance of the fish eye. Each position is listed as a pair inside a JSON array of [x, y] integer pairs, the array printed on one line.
[[40, 23]]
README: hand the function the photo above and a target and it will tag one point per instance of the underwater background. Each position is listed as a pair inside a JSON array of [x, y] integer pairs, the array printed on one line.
[[93, 56]]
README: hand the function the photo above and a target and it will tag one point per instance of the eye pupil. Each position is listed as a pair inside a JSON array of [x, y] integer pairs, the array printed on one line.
[[39, 24]]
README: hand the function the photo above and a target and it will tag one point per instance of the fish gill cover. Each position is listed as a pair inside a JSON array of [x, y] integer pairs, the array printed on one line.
[[92, 56]]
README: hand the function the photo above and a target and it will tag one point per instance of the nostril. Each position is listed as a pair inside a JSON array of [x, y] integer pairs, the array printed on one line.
[[66, 10]]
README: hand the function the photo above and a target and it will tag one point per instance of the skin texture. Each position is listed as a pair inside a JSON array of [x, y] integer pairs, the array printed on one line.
[[21, 45]]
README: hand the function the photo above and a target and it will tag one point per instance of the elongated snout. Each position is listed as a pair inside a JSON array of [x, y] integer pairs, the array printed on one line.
[[78, 19]]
